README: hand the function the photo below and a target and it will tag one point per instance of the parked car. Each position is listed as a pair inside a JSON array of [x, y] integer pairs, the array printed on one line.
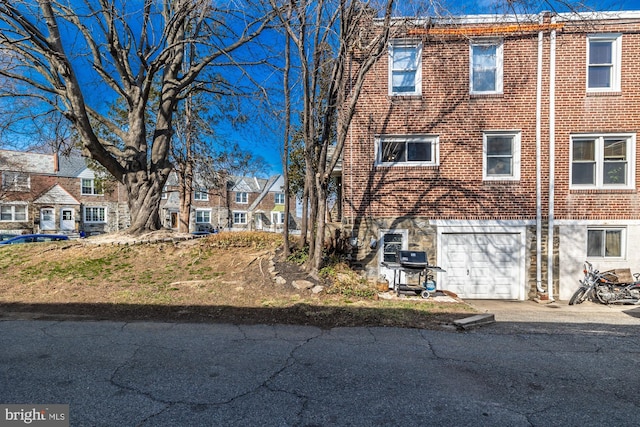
[[7, 236], [34, 238]]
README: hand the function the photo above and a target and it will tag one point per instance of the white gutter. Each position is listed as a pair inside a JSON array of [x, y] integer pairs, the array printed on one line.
[[539, 162], [552, 158]]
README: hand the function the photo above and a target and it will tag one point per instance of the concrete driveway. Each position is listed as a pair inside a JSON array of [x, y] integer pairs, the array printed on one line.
[[532, 316]]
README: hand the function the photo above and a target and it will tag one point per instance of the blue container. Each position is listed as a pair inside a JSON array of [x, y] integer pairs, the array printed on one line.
[[430, 285]]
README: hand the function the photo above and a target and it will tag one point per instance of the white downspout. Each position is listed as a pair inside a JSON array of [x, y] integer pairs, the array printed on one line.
[[539, 163], [552, 158]]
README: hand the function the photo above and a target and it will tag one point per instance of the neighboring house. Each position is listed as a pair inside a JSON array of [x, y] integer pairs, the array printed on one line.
[[208, 207], [42, 193], [481, 139], [258, 204]]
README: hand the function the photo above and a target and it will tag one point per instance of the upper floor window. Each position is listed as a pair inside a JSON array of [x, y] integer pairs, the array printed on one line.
[[415, 150], [13, 213], [405, 68], [602, 161], [279, 198], [16, 181], [91, 187], [201, 195], [605, 242], [485, 74], [603, 62], [242, 197], [501, 156]]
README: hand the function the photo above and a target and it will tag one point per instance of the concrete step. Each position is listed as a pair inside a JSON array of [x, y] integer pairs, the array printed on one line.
[[474, 321]]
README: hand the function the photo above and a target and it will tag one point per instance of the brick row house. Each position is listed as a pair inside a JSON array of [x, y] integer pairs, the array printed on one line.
[[51, 194], [258, 204], [481, 139], [42, 193], [246, 203]]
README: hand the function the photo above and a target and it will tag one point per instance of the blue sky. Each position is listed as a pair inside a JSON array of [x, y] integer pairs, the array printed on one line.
[[267, 142], [262, 135]]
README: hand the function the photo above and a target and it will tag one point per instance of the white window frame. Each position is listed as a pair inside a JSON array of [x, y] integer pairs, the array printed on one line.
[[201, 195], [94, 190], [616, 65], [201, 212], [278, 198], [498, 66], [92, 220], [599, 161], [242, 197], [434, 140], [393, 46], [12, 211], [11, 181], [603, 255], [277, 218], [515, 156], [242, 215]]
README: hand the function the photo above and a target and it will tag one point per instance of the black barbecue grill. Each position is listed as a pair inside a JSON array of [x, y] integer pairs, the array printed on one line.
[[413, 262], [412, 259]]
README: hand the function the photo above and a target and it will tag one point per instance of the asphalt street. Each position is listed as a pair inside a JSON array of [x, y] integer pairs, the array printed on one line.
[[530, 370]]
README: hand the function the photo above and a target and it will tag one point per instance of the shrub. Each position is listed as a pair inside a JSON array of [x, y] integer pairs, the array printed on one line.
[[346, 282], [244, 239]]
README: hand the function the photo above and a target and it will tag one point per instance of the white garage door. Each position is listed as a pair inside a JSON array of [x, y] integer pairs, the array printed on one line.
[[482, 265]]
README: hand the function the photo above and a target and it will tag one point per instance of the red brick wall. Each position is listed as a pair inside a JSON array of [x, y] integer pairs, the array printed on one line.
[[580, 112], [455, 189]]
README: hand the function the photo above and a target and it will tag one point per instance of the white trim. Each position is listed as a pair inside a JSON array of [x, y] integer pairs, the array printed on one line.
[[13, 206], [407, 43], [12, 184], [433, 139], [498, 78], [515, 155], [201, 193], [623, 242], [202, 210], [489, 227], [473, 225], [513, 18], [94, 189], [233, 217], [616, 65], [245, 202], [84, 214], [599, 161], [597, 222]]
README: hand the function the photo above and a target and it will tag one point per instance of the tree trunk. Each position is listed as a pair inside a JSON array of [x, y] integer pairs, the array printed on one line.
[[144, 202], [320, 226], [186, 191], [313, 212]]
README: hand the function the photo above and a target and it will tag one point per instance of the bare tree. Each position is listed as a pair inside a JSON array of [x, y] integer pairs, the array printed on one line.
[[74, 56], [334, 56]]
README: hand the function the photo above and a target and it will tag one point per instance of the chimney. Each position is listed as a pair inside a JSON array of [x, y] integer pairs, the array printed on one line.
[[56, 167]]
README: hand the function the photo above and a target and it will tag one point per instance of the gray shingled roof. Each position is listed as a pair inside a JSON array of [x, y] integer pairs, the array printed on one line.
[[71, 166], [248, 184], [265, 191]]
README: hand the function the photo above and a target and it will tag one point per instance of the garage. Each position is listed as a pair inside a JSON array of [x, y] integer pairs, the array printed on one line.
[[483, 265]]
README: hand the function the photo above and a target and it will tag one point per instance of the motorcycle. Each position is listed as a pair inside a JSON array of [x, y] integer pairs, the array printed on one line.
[[603, 287]]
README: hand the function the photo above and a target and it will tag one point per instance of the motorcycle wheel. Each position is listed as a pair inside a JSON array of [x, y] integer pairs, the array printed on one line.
[[578, 296]]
